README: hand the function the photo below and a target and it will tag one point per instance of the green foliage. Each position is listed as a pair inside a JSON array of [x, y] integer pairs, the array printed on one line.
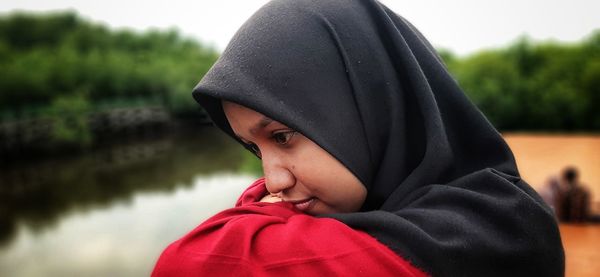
[[535, 86], [251, 164], [48, 60], [494, 85], [24, 31], [60, 69], [47, 57], [70, 114]]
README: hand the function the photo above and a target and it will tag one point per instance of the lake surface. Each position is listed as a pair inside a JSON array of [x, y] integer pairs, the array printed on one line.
[[112, 212]]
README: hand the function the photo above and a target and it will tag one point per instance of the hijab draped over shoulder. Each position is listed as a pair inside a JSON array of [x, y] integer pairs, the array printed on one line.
[[360, 81]]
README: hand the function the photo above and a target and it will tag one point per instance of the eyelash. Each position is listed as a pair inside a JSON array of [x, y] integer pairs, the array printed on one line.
[[254, 148], [285, 135]]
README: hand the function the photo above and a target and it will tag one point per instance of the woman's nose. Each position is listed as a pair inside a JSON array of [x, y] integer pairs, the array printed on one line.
[[277, 176]]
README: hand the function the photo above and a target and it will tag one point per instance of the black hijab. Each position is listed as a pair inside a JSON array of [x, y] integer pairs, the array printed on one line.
[[360, 81]]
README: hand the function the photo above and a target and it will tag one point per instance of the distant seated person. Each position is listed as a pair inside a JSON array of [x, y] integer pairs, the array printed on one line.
[[575, 205], [553, 193]]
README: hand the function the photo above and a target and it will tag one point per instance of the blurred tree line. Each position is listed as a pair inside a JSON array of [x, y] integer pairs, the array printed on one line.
[[62, 66], [50, 59], [534, 86]]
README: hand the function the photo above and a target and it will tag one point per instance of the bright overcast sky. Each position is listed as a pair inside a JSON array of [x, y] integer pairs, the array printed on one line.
[[462, 26]]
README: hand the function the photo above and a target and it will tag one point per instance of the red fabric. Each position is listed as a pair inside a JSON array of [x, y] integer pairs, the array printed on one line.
[[268, 239]]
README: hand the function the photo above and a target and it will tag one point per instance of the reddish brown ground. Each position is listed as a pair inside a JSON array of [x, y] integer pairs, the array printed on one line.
[[539, 156], [582, 249]]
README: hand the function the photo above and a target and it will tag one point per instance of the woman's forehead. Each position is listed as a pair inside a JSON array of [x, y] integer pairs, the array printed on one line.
[[250, 119]]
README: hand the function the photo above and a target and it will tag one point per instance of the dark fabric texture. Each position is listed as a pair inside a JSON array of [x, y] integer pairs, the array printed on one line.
[[360, 81]]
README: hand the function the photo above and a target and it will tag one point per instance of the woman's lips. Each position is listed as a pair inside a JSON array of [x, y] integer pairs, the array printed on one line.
[[303, 205]]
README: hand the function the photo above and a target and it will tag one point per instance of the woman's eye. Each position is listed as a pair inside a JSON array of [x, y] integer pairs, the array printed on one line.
[[254, 149], [283, 137]]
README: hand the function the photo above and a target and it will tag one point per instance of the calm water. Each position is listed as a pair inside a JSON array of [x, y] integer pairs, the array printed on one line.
[[111, 212]]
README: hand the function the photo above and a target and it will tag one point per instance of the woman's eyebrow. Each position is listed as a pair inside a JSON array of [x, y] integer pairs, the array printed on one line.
[[262, 123]]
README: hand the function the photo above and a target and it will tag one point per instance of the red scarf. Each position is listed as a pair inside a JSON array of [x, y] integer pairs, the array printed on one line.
[[269, 239]]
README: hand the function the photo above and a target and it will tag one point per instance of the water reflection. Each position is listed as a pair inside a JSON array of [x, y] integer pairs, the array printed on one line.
[[123, 240], [39, 195]]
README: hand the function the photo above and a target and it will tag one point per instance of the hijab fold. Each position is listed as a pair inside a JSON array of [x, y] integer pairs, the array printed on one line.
[[361, 82]]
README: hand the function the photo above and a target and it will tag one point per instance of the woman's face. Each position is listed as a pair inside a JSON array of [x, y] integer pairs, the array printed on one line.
[[296, 169]]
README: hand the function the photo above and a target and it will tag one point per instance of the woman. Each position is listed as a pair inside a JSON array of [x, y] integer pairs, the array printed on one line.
[[376, 161]]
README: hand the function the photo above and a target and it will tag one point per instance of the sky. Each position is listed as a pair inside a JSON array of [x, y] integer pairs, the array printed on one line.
[[461, 26]]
